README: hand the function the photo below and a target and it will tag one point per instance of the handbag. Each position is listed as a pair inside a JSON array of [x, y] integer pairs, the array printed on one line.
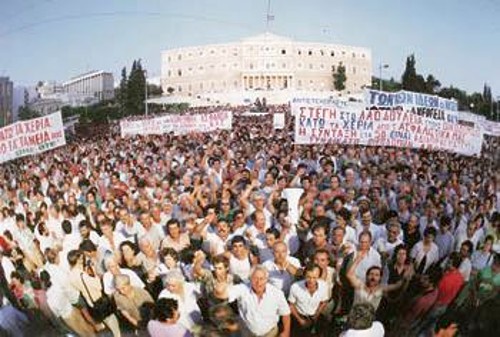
[[102, 308]]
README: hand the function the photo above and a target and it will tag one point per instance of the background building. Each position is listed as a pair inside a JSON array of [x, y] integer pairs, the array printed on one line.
[[98, 84], [265, 62], [6, 96]]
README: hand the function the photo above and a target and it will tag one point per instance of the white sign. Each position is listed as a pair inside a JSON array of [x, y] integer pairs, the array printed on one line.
[[31, 137], [178, 124], [279, 120], [354, 123]]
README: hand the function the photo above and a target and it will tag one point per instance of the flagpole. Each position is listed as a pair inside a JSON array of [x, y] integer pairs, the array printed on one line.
[[268, 17]]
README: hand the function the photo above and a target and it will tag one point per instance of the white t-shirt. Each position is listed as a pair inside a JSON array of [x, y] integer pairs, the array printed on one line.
[[376, 330], [239, 267], [190, 313]]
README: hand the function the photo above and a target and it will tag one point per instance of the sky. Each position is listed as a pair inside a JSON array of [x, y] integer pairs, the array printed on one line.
[[458, 41]]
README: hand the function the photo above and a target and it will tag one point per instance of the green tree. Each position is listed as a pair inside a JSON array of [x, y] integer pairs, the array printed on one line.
[[339, 77], [26, 113], [121, 96], [154, 90], [410, 80], [432, 85], [136, 89]]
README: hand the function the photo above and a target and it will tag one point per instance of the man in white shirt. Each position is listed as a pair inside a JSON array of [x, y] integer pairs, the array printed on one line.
[[368, 225], [260, 306], [308, 299], [282, 268], [370, 256]]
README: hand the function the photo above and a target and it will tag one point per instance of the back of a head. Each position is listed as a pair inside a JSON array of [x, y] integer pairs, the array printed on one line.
[[361, 316]]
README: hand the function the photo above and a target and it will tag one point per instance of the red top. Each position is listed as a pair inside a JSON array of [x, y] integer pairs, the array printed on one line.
[[448, 287]]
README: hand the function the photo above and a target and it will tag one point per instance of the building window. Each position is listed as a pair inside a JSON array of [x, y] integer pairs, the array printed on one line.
[[201, 86], [310, 53], [354, 70], [235, 84], [267, 65], [190, 54], [169, 73], [284, 65], [212, 52], [310, 66], [251, 65], [179, 73], [179, 89], [283, 52], [300, 65], [189, 87], [353, 55], [332, 53], [190, 69], [179, 57], [223, 51], [333, 68], [299, 83], [169, 59], [201, 68], [343, 52], [322, 53], [363, 55], [322, 66], [300, 52], [235, 65]]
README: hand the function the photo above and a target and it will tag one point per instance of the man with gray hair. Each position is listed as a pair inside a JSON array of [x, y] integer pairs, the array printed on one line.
[[260, 306], [130, 300], [361, 322]]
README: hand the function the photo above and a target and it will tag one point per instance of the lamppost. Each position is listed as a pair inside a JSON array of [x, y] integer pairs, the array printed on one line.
[[380, 67], [145, 91]]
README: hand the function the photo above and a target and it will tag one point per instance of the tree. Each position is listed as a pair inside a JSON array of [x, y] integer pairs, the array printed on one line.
[[154, 90], [339, 77], [136, 89], [26, 113], [121, 96], [432, 85]]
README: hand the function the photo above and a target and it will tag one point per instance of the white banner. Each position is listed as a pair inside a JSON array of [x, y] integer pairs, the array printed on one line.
[[178, 124], [31, 137], [354, 123], [279, 120]]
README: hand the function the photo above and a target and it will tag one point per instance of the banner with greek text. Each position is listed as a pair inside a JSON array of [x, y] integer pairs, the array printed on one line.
[[31, 137], [178, 124], [425, 105], [355, 123]]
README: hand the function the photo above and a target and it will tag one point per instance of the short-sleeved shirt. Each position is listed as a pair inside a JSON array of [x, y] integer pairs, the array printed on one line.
[[306, 303], [259, 315]]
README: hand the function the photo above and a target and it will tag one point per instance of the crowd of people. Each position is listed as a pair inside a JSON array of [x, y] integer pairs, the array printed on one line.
[[244, 233]]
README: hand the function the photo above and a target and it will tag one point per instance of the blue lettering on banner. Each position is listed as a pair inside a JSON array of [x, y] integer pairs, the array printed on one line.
[[386, 99]]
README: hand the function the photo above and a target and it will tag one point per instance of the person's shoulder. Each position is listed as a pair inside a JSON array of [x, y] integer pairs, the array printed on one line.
[[294, 261]]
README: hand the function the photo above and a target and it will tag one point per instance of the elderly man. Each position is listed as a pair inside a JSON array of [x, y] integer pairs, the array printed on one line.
[[260, 306], [130, 299]]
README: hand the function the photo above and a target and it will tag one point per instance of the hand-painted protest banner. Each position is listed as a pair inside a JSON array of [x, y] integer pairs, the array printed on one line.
[[31, 137], [491, 128], [178, 124], [279, 120], [425, 105], [355, 123]]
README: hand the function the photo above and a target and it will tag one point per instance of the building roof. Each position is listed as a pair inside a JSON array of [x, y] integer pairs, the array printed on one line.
[[266, 37]]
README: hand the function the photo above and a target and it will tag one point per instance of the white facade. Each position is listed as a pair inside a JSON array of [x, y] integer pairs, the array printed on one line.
[[98, 84], [265, 62]]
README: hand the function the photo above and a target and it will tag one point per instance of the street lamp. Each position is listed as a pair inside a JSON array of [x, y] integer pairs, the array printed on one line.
[[145, 92], [380, 67]]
